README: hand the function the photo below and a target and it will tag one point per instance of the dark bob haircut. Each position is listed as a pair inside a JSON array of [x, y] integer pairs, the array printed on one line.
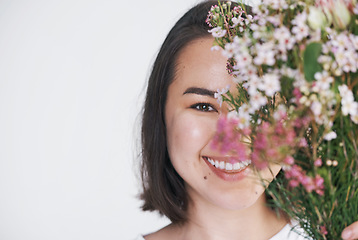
[[163, 188]]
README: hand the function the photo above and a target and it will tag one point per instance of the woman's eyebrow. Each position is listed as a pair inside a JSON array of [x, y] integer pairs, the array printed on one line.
[[200, 91]]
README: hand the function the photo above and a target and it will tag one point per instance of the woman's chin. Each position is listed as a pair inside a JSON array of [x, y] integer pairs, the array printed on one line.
[[239, 200]]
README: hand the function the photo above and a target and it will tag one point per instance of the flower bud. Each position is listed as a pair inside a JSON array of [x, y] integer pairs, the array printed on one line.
[[217, 9], [341, 14], [317, 18]]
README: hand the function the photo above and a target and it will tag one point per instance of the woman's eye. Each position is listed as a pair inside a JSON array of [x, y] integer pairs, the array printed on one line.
[[204, 107]]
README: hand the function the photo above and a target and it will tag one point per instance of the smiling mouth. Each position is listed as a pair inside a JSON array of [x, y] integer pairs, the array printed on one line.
[[228, 167]]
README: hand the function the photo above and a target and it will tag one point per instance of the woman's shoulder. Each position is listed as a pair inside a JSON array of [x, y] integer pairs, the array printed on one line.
[[163, 234], [140, 237], [290, 232]]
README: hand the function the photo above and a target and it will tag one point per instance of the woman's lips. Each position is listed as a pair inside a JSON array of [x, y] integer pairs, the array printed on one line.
[[228, 171]]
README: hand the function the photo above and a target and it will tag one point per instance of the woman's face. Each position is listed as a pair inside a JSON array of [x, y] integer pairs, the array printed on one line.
[[191, 115]]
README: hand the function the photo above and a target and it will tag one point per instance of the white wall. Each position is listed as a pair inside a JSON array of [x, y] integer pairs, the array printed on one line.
[[72, 76]]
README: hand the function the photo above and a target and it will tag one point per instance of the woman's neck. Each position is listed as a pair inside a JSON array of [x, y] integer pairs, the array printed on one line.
[[257, 222]]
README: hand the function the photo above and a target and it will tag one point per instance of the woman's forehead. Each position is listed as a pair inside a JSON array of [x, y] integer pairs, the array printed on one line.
[[198, 65]]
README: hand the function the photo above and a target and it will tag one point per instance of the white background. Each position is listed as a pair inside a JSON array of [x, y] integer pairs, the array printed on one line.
[[72, 82]]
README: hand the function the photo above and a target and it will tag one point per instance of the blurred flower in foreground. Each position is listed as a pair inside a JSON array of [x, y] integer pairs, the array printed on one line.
[[294, 63]]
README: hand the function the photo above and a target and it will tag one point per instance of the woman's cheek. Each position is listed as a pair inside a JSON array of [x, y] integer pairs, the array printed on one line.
[[190, 132]]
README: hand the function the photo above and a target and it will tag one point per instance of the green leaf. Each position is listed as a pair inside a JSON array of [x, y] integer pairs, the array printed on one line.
[[310, 63]]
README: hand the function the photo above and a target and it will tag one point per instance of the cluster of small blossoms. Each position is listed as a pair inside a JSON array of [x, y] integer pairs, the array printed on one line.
[[319, 98], [258, 48], [254, 48], [276, 141], [295, 65], [234, 20], [242, 117], [276, 4], [297, 175], [229, 140], [272, 142], [340, 54]]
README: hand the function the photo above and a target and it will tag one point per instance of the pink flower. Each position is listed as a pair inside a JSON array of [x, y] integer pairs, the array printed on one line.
[[303, 143], [319, 181], [306, 181], [258, 161], [290, 137], [293, 183], [289, 160], [295, 171], [318, 162], [228, 138], [296, 176], [309, 187], [272, 153], [323, 230]]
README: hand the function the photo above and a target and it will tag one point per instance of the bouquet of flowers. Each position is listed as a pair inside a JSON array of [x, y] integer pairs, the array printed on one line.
[[295, 67]]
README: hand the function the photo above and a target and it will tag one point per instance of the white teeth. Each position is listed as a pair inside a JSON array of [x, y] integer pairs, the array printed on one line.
[[216, 164], [222, 165], [229, 166]]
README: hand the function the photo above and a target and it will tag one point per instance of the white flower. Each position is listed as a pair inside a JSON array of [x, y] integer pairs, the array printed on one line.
[[275, 20], [246, 108], [323, 81], [329, 136], [265, 54], [217, 32], [300, 31], [229, 50], [248, 73], [355, 9], [219, 93], [233, 115], [257, 101], [271, 84], [343, 90], [252, 85], [346, 94], [243, 60], [300, 19], [328, 97], [276, 4], [215, 48], [340, 41], [236, 21], [354, 39], [289, 72], [349, 107], [284, 38], [254, 27], [326, 61], [243, 116], [316, 108], [354, 118]]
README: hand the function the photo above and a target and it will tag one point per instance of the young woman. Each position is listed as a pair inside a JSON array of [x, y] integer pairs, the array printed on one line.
[[179, 121]]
